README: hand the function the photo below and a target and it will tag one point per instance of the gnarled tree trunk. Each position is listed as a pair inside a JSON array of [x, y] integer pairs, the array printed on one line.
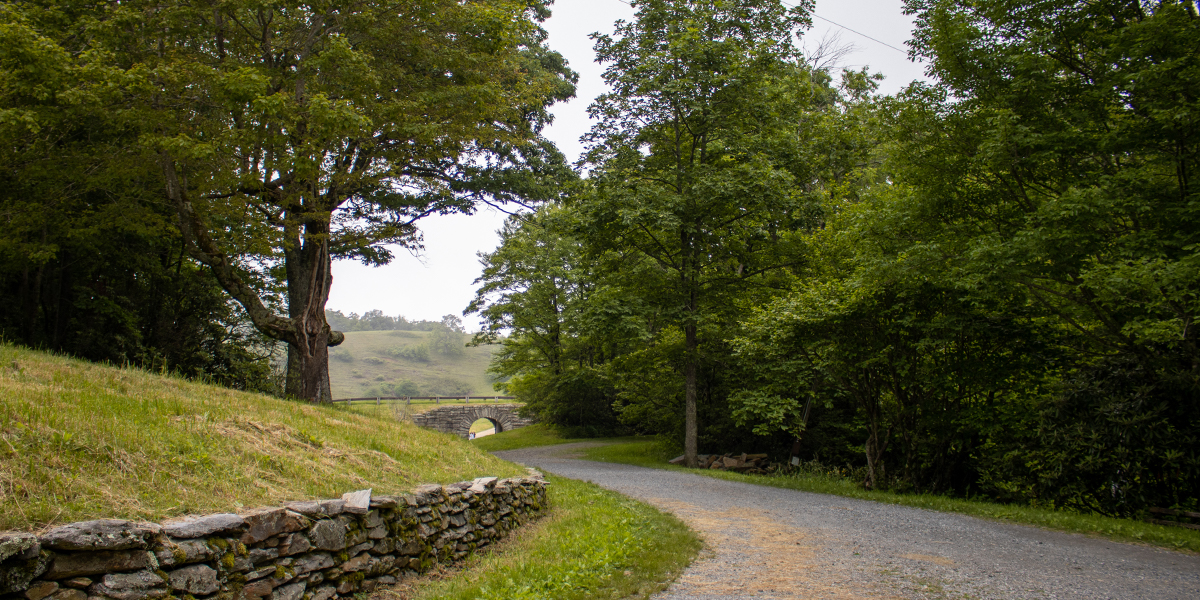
[[308, 264], [309, 278]]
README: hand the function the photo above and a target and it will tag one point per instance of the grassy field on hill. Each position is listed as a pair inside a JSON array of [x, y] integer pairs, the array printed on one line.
[[401, 363], [80, 441]]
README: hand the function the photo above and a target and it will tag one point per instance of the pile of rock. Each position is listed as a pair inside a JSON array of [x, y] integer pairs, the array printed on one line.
[[318, 550], [744, 463]]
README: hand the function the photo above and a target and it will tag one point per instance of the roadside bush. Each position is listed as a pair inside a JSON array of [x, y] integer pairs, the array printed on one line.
[[417, 353], [1116, 439]]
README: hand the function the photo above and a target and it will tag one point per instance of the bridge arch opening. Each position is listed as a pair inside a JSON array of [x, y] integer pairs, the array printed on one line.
[[483, 426]]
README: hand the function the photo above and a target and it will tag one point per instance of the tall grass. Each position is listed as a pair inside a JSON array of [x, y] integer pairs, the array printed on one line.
[[81, 441]]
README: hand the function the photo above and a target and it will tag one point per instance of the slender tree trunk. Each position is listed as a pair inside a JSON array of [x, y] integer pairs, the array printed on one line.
[[30, 302], [689, 419], [871, 461], [31, 299]]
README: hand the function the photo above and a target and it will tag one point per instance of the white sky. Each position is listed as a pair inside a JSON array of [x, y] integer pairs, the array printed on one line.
[[440, 282]]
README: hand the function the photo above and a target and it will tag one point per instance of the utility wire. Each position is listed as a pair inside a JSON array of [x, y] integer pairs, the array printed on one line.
[[835, 24], [860, 33]]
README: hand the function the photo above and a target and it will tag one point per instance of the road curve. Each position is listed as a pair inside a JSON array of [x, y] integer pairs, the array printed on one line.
[[774, 543]]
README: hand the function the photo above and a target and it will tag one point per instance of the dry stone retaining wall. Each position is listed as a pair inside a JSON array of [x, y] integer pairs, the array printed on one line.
[[457, 419], [318, 550]]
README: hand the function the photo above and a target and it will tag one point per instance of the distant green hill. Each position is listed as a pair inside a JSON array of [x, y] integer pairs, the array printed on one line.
[[403, 363]]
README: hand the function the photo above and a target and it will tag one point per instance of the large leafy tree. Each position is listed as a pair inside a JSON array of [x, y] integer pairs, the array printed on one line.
[[689, 157], [89, 261], [1059, 155], [1057, 163], [556, 318], [290, 134]]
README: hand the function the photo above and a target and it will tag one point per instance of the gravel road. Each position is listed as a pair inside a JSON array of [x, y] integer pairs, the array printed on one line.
[[773, 543]]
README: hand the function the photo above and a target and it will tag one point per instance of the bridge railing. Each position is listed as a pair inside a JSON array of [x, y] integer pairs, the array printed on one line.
[[437, 399]]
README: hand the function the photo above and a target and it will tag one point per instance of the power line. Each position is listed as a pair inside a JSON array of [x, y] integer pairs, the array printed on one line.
[[835, 24], [860, 33]]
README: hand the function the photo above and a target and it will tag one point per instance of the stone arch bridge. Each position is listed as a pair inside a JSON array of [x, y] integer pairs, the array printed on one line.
[[457, 419]]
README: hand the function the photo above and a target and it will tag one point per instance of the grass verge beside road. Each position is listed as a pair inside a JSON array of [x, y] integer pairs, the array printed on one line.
[[652, 454], [594, 544], [525, 437]]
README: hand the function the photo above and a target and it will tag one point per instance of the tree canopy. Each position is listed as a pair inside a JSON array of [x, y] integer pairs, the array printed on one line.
[[288, 135], [985, 284]]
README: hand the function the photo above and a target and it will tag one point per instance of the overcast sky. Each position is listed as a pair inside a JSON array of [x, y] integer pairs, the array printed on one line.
[[439, 282]]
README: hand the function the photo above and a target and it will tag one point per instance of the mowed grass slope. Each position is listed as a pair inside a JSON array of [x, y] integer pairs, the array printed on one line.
[[82, 441], [372, 363]]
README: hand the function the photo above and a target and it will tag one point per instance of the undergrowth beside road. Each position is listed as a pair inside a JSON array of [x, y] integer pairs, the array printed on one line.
[[82, 441], [594, 544], [652, 454]]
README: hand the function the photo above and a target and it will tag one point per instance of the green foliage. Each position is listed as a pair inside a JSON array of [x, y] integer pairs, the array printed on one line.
[[398, 389], [89, 262], [1112, 438], [984, 285], [690, 159], [280, 136], [375, 320], [446, 386], [446, 338], [416, 352], [536, 286]]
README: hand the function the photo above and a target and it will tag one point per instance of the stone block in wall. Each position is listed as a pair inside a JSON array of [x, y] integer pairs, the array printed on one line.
[[295, 543], [196, 527], [255, 590], [357, 502], [313, 562], [428, 494], [384, 501], [328, 534], [68, 594], [266, 522], [293, 591], [74, 564], [198, 580], [324, 593], [23, 546], [139, 585], [103, 534], [182, 552]]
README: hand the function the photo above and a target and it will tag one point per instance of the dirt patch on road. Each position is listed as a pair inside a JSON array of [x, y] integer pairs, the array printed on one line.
[[752, 554]]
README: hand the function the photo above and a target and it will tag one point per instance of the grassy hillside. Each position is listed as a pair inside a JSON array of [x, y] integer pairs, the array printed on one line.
[[401, 363], [81, 441]]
